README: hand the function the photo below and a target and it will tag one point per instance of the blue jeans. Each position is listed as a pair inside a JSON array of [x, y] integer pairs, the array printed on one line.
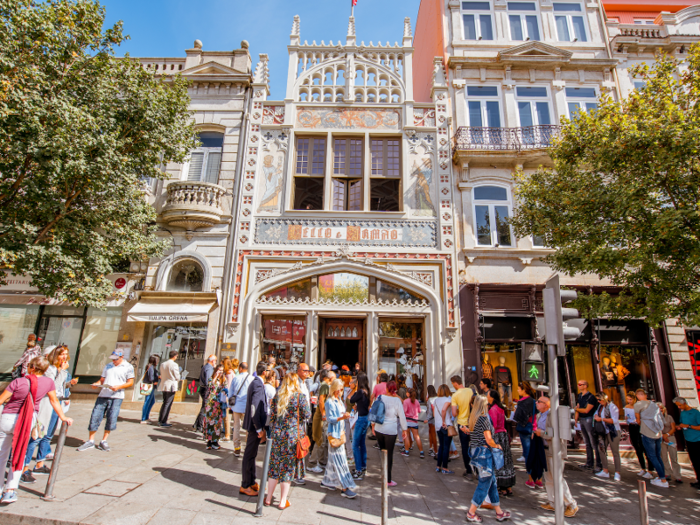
[[148, 404], [525, 440], [487, 486], [359, 443], [443, 455], [653, 449], [105, 407], [43, 443]]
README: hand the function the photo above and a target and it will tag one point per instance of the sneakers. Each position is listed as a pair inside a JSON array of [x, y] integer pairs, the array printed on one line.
[[215, 446], [539, 484], [327, 487], [86, 446], [641, 473], [570, 512], [315, 470], [585, 467], [42, 471], [166, 425], [358, 475], [8, 497], [299, 481], [547, 506], [647, 475], [454, 455], [237, 452], [521, 459], [530, 484], [391, 484], [104, 446], [617, 476], [602, 474], [348, 494], [422, 455], [27, 477], [376, 446], [660, 483], [49, 456], [432, 453], [405, 453], [445, 471]]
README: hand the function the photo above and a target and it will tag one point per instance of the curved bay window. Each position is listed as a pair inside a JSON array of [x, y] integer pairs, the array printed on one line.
[[491, 213], [186, 276]]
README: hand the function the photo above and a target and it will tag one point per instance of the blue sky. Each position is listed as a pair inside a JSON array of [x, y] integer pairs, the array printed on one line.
[[165, 28]]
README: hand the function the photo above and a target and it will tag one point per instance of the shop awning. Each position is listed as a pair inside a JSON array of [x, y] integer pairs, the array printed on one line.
[[174, 312]]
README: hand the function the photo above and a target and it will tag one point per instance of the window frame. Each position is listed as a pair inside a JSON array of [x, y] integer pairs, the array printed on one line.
[[493, 226], [581, 101], [644, 21], [521, 14], [568, 15], [348, 147], [477, 14], [533, 99], [206, 152], [309, 163], [482, 99]]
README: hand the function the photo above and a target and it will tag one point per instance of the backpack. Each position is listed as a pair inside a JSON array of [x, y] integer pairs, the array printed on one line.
[[654, 420], [376, 413]]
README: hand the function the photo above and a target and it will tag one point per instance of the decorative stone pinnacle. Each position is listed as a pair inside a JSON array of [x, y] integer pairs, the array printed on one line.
[[262, 73], [295, 26], [351, 26], [438, 73], [407, 33]]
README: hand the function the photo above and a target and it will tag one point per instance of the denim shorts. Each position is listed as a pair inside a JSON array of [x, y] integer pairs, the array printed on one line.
[[105, 407]]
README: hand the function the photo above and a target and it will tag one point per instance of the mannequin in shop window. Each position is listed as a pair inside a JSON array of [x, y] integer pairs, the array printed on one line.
[[621, 372], [610, 379], [504, 382], [486, 368]]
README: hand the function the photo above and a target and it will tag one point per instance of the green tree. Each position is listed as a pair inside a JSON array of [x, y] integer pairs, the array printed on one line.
[[80, 130], [621, 201]]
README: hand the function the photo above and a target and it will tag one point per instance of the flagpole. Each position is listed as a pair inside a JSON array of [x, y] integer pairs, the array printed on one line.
[[352, 9]]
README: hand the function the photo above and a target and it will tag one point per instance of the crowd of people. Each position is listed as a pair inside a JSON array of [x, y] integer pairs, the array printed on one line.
[[320, 422]]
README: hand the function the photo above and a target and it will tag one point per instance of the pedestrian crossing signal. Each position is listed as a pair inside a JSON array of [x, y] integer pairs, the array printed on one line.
[[534, 372]]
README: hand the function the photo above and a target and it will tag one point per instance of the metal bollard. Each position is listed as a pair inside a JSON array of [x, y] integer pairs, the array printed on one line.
[[263, 478], [48, 494], [385, 488], [643, 503]]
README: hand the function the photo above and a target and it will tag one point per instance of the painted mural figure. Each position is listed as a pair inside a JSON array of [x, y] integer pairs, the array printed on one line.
[[273, 184], [423, 177]]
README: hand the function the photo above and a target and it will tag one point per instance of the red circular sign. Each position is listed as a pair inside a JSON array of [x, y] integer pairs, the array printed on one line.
[[120, 283]]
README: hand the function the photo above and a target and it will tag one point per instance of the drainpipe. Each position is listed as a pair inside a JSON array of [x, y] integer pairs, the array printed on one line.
[[229, 262]]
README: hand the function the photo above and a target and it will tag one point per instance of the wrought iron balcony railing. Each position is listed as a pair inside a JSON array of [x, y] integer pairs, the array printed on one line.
[[505, 139]]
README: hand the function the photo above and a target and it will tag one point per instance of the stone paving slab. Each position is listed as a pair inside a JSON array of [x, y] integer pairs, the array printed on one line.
[[156, 476]]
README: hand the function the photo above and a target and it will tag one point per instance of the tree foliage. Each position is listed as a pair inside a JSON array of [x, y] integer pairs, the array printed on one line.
[[622, 199], [80, 129]]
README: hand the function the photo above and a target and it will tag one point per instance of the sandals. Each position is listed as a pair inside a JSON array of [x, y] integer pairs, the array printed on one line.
[[474, 518], [506, 493], [288, 504], [503, 517]]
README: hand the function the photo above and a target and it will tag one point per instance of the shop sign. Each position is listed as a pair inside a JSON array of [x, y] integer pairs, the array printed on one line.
[[401, 233], [169, 318], [120, 283]]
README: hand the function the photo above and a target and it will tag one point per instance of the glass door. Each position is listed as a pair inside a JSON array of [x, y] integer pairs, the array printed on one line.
[[62, 329]]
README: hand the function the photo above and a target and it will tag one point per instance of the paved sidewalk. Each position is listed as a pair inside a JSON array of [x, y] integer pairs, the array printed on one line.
[[160, 476]]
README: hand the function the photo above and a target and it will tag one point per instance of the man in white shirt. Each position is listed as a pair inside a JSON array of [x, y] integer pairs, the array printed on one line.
[[239, 389], [116, 377], [169, 381]]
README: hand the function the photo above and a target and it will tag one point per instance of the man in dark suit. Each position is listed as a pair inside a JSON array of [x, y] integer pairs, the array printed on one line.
[[254, 424]]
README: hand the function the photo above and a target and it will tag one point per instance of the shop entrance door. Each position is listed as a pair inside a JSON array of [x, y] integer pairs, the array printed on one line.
[[342, 342], [62, 325]]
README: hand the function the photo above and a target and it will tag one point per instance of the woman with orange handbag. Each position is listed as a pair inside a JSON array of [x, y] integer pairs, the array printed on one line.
[[288, 412]]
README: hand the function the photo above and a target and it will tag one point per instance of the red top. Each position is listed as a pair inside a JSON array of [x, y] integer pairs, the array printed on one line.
[[498, 418]]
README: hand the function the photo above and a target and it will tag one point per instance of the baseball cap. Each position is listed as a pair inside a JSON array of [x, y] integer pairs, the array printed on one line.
[[117, 354]]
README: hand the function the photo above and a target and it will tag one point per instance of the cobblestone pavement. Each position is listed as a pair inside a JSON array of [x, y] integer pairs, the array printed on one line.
[[160, 476]]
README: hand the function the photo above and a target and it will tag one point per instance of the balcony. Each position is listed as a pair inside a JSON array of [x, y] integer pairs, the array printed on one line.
[[193, 205], [505, 139]]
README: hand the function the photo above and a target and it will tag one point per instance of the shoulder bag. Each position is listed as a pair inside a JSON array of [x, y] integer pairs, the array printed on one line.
[[38, 430], [599, 426], [232, 399], [146, 388], [527, 428], [451, 429], [304, 443]]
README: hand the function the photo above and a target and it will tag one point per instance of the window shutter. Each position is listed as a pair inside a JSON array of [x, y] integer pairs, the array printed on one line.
[[213, 166], [195, 171]]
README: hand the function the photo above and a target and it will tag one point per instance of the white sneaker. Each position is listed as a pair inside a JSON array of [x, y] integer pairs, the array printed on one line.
[[647, 475], [315, 470], [660, 483], [617, 476], [603, 474], [641, 472], [521, 459]]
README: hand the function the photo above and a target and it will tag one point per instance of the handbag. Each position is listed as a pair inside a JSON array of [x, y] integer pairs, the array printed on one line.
[[336, 442], [304, 443], [451, 431], [38, 430], [146, 389], [599, 427]]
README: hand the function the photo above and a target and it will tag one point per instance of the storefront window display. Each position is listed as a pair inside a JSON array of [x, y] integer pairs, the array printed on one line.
[[401, 351], [582, 364], [500, 362], [99, 340], [625, 368], [693, 337], [190, 342], [284, 337], [186, 276], [16, 323], [62, 325]]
